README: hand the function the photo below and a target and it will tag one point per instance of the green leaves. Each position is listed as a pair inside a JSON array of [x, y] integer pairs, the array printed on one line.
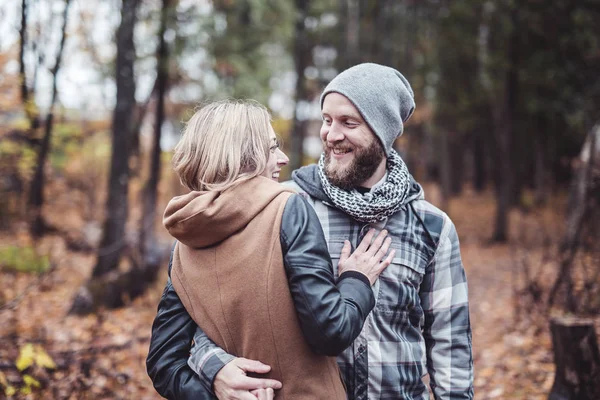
[[23, 259]]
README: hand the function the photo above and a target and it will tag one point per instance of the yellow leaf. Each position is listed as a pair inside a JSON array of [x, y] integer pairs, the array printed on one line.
[[31, 381], [10, 391], [26, 355], [3, 380], [25, 390], [42, 358]]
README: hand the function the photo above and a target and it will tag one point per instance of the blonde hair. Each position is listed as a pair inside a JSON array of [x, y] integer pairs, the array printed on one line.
[[223, 144]]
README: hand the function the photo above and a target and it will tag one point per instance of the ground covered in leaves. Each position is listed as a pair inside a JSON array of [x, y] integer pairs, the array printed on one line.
[[44, 353]]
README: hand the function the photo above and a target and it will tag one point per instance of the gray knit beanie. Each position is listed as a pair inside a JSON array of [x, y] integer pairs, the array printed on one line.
[[381, 94]]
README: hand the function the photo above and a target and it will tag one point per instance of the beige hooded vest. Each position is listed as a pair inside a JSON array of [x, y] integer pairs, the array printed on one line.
[[228, 271]]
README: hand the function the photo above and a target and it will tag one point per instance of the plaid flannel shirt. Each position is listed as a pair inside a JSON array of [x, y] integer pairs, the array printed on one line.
[[420, 323]]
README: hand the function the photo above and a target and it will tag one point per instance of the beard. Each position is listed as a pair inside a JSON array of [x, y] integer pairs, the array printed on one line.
[[364, 164]]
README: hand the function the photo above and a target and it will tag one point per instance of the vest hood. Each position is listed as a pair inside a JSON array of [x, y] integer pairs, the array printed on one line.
[[203, 219]]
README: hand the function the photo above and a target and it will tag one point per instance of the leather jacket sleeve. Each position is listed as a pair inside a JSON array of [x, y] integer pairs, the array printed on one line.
[[331, 315], [172, 333]]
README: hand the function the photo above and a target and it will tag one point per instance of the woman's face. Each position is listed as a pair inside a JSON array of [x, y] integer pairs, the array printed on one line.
[[277, 159]]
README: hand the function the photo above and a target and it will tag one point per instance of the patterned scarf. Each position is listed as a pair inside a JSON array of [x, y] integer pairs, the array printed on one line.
[[384, 200]]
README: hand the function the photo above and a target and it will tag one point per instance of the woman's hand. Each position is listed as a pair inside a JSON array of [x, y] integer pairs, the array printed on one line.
[[367, 258]]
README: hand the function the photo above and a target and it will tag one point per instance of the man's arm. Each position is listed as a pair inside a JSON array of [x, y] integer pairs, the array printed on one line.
[[447, 329], [206, 358], [226, 374]]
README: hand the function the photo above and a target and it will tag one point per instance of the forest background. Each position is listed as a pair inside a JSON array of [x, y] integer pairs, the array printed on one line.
[[505, 139]]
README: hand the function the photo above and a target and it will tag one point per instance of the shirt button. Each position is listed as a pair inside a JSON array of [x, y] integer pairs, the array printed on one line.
[[361, 348]]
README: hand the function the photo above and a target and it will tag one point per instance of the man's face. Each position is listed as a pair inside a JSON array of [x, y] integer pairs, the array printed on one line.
[[352, 151]]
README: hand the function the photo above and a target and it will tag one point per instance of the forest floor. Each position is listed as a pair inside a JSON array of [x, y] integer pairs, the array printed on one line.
[[102, 356]]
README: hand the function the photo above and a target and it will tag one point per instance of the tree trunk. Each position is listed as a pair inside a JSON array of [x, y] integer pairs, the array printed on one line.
[[582, 182], [577, 217], [140, 115], [370, 44], [384, 24], [150, 252], [408, 36], [107, 286], [36, 191], [457, 156], [431, 160], [352, 32], [302, 57], [577, 360], [28, 105], [502, 184], [504, 132], [479, 165], [113, 239], [485, 81], [444, 169], [540, 173], [110, 290], [23, 36]]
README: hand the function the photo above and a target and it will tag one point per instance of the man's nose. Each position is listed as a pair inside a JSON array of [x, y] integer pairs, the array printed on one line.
[[335, 133]]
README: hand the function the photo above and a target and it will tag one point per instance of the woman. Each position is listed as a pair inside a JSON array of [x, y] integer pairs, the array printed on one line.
[[251, 264]]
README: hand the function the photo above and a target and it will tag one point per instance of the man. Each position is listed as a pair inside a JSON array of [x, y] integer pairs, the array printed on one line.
[[420, 323]]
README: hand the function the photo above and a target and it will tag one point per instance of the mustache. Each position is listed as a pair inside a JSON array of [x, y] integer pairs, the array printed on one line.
[[343, 147]]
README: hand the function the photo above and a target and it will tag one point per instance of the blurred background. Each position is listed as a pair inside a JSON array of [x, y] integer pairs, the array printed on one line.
[[93, 97]]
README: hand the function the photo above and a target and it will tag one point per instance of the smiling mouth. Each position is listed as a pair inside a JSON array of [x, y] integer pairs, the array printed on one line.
[[340, 151], [275, 175]]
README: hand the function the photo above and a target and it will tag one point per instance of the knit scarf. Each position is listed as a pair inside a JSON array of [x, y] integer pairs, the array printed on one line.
[[384, 200]]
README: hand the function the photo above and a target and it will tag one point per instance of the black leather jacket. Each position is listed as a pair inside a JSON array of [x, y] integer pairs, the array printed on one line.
[[331, 314]]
